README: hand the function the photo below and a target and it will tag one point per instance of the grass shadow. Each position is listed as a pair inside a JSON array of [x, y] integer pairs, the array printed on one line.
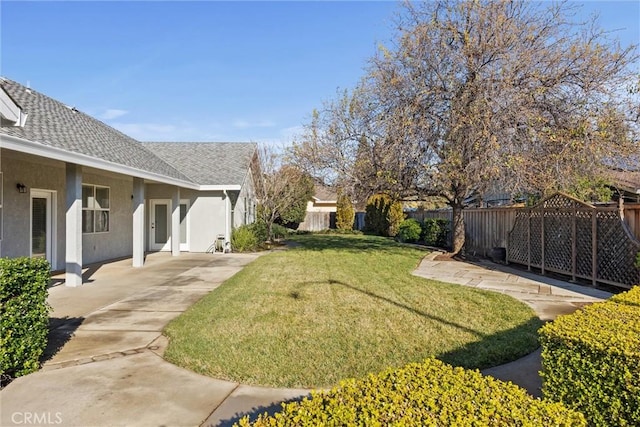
[[498, 348]]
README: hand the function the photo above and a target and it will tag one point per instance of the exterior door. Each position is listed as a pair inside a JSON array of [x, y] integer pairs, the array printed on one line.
[[41, 233], [160, 225], [184, 225]]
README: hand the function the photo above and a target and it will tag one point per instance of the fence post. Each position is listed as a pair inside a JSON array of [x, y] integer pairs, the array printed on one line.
[[594, 246], [543, 241], [529, 240], [574, 244]]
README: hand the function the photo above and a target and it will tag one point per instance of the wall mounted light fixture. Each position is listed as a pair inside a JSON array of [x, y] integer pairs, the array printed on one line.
[[21, 188]]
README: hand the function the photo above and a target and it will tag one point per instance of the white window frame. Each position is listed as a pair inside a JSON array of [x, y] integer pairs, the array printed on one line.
[[95, 210]]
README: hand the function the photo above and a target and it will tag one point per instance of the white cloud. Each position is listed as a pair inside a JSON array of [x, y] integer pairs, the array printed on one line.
[[113, 113]]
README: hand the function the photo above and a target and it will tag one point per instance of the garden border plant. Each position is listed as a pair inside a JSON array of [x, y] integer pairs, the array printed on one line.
[[591, 360], [431, 393], [24, 314]]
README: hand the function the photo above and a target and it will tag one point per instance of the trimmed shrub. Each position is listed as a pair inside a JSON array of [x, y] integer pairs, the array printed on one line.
[[382, 215], [345, 214], [410, 231], [396, 216], [259, 229], [591, 361], [24, 314], [244, 239], [422, 394], [278, 231], [434, 232]]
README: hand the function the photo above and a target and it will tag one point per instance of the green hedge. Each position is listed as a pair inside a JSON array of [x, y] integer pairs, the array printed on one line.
[[434, 232], [591, 361], [427, 394], [409, 231], [24, 314]]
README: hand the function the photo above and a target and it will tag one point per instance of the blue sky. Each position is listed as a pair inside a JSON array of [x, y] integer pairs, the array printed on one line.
[[208, 70]]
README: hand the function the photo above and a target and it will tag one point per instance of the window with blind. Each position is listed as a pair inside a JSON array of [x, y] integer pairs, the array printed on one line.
[[95, 208]]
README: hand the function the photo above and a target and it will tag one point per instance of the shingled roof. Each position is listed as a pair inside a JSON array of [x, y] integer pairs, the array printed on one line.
[[208, 163], [54, 124]]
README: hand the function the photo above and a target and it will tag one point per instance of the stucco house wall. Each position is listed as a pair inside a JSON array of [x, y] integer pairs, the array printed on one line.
[[35, 173], [116, 243]]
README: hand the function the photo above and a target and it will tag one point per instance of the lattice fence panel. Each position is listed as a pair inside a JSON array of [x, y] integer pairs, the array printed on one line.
[[584, 242], [536, 238], [558, 240], [518, 246], [616, 251]]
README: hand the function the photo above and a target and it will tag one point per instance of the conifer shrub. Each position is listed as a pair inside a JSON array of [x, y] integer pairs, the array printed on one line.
[[24, 314], [422, 394], [345, 213], [591, 360], [382, 215]]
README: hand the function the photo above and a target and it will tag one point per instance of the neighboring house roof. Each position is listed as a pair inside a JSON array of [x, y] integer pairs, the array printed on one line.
[[322, 193], [208, 163], [51, 123], [626, 180]]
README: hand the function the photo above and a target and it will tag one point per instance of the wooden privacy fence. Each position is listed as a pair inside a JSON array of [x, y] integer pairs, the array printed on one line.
[[615, 247], [318, 221], [563, 235]]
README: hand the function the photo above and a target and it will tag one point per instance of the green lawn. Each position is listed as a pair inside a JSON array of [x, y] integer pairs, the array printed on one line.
[[342, 306]]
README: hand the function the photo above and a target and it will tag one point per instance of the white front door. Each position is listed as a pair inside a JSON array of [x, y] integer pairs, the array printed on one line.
[[160, 225], [42, 233]]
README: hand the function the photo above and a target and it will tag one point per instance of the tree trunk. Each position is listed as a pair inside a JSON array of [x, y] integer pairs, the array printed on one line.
[[457, 228]]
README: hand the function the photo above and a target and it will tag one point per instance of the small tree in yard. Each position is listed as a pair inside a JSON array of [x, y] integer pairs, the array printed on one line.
[[345, 214], [283, 191]]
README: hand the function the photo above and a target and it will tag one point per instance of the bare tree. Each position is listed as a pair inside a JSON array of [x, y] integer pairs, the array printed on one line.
[[475, 92], [281, 188]]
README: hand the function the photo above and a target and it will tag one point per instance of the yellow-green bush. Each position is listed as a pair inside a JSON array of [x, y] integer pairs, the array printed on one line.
[[591, 361], [383, 215], [422, 394], [24, 314]]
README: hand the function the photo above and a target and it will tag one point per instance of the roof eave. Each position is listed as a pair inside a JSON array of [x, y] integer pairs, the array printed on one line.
[[35, 148], [221, 187]]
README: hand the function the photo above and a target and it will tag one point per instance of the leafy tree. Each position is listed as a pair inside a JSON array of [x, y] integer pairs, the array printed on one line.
[[474, 92], [345, 213]]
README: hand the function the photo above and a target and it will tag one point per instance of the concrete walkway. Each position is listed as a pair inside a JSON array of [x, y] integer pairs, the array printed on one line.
[[105, 366], [548, 297]]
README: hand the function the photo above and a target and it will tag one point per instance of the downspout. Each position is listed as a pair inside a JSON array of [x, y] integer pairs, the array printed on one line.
[[227, 220]]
